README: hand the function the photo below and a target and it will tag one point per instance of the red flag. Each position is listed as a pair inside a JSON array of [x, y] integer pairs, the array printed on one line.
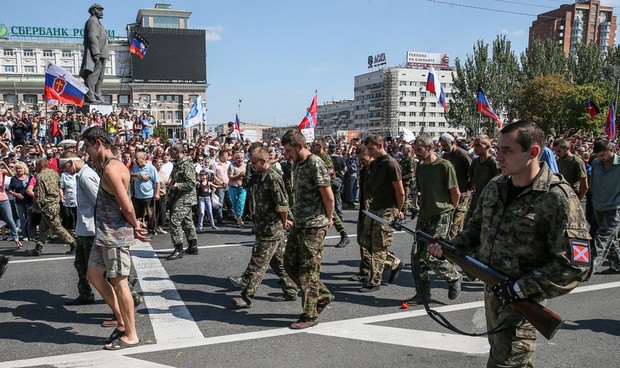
[[310, 120], [485, 107]]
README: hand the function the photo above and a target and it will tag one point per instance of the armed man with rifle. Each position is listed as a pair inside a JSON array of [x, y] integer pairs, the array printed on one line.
[[529, 226]]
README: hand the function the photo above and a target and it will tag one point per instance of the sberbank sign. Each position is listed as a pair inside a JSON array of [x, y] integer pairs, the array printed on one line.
[[54, 32]]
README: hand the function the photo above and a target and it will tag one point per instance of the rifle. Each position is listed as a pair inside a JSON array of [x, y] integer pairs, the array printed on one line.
[[544, 320]]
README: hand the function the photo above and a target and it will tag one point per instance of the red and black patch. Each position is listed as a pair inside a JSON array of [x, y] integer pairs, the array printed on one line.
[[580, 252]]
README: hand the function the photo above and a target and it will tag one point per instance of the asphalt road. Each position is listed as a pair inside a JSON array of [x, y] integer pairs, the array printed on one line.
[[187, 320]]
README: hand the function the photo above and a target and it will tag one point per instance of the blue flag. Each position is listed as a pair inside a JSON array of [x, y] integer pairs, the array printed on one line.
[[196, 114]]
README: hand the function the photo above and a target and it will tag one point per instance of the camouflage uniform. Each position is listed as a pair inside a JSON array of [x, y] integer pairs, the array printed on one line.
[[181, 220], [48, 203], [304, 250], [537, 240], [329, 164], [270, 199], [407, 167]]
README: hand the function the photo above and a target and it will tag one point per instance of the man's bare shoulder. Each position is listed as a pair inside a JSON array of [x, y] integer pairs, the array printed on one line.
[[115, 168]]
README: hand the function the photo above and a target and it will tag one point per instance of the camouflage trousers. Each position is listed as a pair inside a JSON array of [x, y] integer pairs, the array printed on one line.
[[302, 262], [267, 251], [391, 261], [443, 268], [84, 245], [458, 219], [512, 348], [181, 221], [338, 224], [50, 221], [407, 205], [376, 239]]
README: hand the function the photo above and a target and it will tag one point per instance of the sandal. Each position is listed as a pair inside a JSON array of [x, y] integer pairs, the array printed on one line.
[[109, 323], [119, 344], [116, 334], [18, 244]]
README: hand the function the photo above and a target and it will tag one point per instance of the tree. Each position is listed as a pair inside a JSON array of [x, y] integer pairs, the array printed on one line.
[[543, 100], [160, 132], [576, 106], [542, 58], [587, 65], [497, 74]]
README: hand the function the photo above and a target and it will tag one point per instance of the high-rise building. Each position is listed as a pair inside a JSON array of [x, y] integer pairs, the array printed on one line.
[[583, 22]]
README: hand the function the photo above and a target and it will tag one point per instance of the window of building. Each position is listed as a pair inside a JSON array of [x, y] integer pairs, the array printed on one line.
[[402, 113], [70, 69], [10, 68], [433, 104], [169, 115], [412, 93], [403, 103], [415, 84], [28, 53], [107, 99], [30, 99], [48, 53], [432, 114], [162, 115], [422, 114], [402, 83], [401, 123], [422, 104], [29, 69], [412, 123], [411, 113], [403, 93], [66, 53], [413, 103], [431, 124], [8, 52], [166, 22], [178, 115], [442, 125], [422, 124], [123, 99], [10, 99], [422, 94]]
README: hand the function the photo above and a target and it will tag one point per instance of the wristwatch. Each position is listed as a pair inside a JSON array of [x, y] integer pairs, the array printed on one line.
[[518, 291]]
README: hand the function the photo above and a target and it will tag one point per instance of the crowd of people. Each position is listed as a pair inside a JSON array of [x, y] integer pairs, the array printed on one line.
[[513, 201]]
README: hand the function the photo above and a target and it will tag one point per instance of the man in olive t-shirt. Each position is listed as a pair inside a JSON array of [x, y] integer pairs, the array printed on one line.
[[459, 158], [483, 168], [572, 167], [439, 195]]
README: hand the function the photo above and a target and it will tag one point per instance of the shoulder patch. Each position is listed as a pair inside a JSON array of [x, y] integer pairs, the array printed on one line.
[[580, 252]]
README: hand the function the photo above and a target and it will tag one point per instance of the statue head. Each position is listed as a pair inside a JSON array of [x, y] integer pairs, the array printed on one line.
[[96, 10]]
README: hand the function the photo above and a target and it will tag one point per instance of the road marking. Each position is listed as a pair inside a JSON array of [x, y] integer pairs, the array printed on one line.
[[170, 318], [96, 357], [241, 244]]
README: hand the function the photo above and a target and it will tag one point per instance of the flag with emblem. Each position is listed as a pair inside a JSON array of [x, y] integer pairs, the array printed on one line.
[[62, 86], [138, 45], [580, 252]]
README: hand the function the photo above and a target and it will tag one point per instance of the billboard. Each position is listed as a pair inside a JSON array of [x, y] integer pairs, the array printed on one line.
[[427, 59], [377, 60], [173, 56]]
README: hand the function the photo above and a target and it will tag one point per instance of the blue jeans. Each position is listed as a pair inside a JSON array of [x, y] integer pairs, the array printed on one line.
[[25, 219], [204, 205], [221, 193], [7, 215], [351, 189], [237, 200]]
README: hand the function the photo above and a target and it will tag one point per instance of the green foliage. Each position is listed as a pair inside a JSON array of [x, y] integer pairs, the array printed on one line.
[[587, 65], [543, 100], [577, 113], [160, 132], [542, 58]]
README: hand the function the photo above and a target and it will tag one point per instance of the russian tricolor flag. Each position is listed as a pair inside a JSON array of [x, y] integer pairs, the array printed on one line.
[[237, 125], [60, 85], [432, 83]]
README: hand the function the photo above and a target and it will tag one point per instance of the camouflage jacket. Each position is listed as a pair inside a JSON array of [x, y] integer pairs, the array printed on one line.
[[534, 238], [308, 208], [407, 167], [329, 164], [184, 176], [48, 191], [270, 198]]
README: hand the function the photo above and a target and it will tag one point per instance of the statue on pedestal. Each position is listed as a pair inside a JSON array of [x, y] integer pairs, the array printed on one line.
[[96, 53]]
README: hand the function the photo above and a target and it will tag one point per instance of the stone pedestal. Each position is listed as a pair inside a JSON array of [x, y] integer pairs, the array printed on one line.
[[103, 109]]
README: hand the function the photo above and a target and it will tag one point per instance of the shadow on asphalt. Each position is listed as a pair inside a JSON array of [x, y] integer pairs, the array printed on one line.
[[39, 305], [608, 326]]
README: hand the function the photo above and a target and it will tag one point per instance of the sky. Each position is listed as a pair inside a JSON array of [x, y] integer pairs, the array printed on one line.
[[273, 54]]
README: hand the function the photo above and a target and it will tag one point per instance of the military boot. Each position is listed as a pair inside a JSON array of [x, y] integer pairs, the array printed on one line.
[[177, 253], [72, 248], [36, 252], [344, 240], [192, 247]]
